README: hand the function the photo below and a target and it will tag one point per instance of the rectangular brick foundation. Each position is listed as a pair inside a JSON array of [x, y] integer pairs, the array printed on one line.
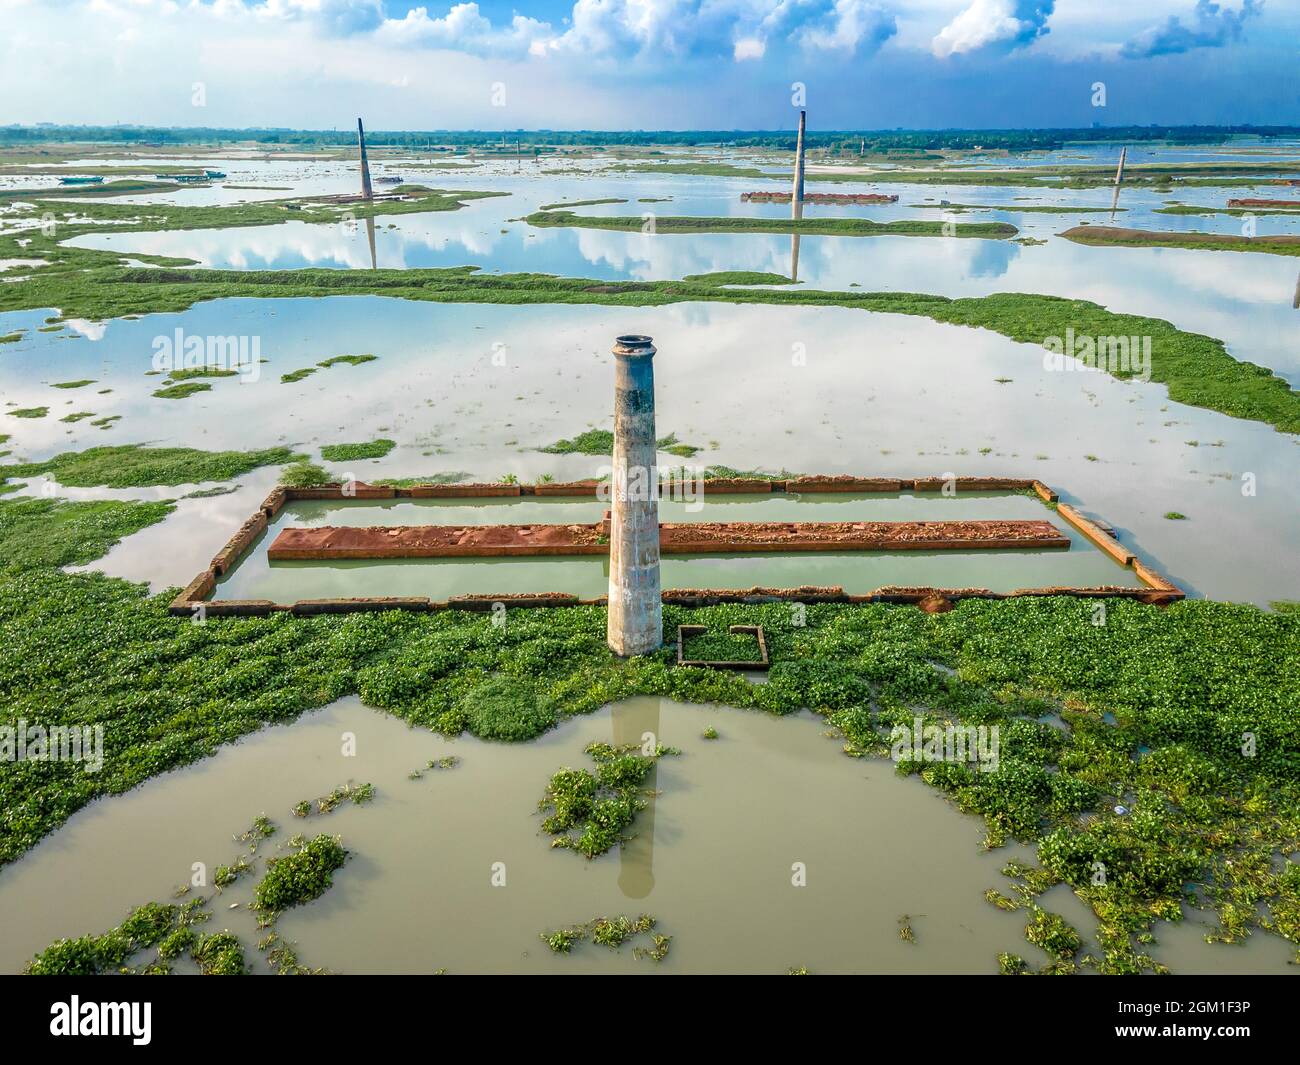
[[328, 543], [1157, 589]]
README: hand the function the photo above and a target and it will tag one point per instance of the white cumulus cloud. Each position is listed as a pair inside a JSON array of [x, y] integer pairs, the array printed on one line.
[[1004, 24]]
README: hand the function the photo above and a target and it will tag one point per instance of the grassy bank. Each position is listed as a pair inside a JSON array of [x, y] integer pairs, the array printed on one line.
[[71, 267], [1015, 208], [1196, 369], [1235, 212], [136, 466], [1154, 705], [1110, 236], [834, 227], [578, 203]]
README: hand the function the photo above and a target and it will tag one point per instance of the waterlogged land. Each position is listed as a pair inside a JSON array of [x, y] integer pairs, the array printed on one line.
[[1145, 711], [1141, 238], [1121, 740], [1196, 369], [851, 227]]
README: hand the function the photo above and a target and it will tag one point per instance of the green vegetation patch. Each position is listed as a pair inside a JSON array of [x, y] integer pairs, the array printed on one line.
[[1236, 212], [590, 442], [1053, 934], [591, 812], [302, 474], [300, 877], [296, 375], [73, 384], [11, 338], [125, 187], [739, 277], [721, 646], [509, 708], [601, 442], [673, 446], [357, 794], [612, 933], [692, 169], [1107, 236], [137, 466], [373, 449], [579, 203], [29, 412], [451, 477], [183, 390], [843, 227], [350, 360], [219, 954], [95, 954], [194, 372], [1018, 208], [48, 533]]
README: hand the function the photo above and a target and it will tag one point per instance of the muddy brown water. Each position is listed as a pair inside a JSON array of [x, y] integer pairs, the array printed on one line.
[[713, 857]]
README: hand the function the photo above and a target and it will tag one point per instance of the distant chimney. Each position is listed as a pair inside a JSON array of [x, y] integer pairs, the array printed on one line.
[[796, 197], [367, 193], [1119, 178]]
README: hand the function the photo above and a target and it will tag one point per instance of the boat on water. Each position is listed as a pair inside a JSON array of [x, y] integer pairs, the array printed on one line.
[[91, 180], [388, 180], [212, 175]]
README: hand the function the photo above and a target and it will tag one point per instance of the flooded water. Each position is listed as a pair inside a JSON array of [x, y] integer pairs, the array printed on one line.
[[712, 857], [475, 390], [478, 389]]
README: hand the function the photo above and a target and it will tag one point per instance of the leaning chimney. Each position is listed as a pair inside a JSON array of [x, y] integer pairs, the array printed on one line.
[[367, 193], [796, 195]]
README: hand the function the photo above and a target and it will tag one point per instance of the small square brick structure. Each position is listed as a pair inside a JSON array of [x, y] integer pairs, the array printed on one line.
[[683, 631]]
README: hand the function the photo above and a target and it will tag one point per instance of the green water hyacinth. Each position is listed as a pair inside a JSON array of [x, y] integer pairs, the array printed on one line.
[[300, 877]]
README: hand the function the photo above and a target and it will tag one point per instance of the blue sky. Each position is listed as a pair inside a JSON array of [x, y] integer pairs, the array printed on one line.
[[649, 64]]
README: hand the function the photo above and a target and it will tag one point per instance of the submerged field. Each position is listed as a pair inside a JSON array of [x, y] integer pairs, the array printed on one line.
[[457, 335]]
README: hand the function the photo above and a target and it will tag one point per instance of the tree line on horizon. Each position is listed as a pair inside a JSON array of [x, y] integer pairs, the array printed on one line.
[[871, 141]]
